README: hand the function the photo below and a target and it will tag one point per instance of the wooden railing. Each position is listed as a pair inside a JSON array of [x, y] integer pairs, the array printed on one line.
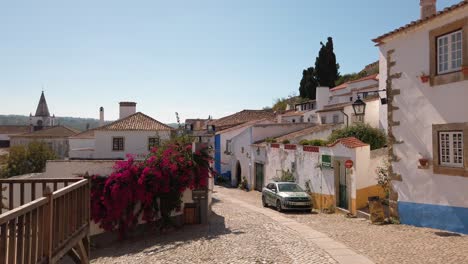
[[22, 191], [48, 227]]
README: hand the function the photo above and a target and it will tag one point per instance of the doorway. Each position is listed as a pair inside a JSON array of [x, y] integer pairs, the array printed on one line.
[[238, 173], [341, 185], [259, 175]]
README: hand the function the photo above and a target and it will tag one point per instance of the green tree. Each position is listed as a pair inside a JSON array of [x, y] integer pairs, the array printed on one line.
[[325, 72], [308, 84], [376, 138], [325, 65], [29, 159]]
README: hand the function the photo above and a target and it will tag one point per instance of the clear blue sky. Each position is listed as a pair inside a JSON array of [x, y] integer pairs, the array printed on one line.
[[198, 58]]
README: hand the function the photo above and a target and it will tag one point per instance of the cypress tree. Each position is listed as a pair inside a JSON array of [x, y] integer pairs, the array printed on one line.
[[308, 84], [326, 66], [325, 72]]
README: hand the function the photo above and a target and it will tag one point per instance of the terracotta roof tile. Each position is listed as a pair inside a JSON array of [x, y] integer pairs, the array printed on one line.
[[294, 113], [86, 134], [14, 129], [304, 132], [250, 123], [56, 131], [241, 117], [137, 121], [418, 22], [344, 85], [349, 142]]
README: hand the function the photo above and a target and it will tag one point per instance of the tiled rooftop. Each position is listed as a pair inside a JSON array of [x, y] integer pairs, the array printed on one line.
[[344, 85], [418, 22], [349, 142], [137, 121], [242, 117], [56, 131], [7, 129]]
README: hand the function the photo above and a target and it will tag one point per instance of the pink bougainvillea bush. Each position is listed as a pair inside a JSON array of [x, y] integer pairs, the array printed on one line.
[[151, 188]]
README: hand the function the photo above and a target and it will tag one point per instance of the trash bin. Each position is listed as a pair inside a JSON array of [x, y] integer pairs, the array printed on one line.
[[190, 214]]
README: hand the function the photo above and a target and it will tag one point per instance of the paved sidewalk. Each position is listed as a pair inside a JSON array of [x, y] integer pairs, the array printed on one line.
[[381, 243]]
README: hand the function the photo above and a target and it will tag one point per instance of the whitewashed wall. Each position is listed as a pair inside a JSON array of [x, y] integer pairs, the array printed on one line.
[[136, 143], [420, 106], [243, 153], [81, 148], [75, 168], [425, 198]]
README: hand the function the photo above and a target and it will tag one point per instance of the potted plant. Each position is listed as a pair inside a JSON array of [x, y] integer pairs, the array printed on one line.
[[465, 70], [423, 162], [424, 77]]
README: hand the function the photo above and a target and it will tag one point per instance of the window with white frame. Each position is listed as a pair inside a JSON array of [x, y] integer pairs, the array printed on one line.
[[449, 52], [451, 148]]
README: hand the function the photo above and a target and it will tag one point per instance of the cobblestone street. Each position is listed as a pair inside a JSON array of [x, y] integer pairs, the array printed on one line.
[[381, 243], [236, 234], [241, 231]]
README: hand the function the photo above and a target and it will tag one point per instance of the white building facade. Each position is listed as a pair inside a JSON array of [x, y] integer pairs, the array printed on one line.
[[428, 116]]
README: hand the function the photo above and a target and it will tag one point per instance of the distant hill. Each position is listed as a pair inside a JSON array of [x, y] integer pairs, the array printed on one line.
[[73, 122]]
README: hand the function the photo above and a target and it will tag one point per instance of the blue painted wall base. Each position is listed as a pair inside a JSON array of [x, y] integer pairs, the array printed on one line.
[[448, 218]]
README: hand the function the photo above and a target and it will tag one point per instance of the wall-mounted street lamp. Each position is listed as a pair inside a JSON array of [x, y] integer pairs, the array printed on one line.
[[359, 106]]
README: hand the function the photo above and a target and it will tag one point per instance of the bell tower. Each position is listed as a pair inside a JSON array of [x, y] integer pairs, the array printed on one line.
[[42, 117]]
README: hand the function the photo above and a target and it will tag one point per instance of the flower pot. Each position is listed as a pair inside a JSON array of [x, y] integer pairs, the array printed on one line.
[[424, 78], [423, 162]]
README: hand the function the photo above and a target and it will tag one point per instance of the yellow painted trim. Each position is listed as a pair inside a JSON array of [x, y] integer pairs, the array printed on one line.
[[363, 194]]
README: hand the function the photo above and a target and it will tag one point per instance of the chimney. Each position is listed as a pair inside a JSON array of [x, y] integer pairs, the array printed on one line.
[[127, 109], [428, 8], [101, 116]]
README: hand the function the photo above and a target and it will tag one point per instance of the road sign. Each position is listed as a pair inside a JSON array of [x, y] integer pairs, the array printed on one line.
[[326, 161], [348, 164]]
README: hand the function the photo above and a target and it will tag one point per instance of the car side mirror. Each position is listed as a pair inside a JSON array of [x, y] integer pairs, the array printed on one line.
[[274, 190]]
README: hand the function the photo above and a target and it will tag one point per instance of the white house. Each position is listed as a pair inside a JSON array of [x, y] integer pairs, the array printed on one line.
[[55, 137], [134, 133], [305, 112], [242, 153], [424, 67], [223, 129], [339, 109], [323, 171]]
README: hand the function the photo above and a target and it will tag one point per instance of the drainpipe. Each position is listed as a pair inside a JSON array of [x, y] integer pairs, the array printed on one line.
[[347, 118]]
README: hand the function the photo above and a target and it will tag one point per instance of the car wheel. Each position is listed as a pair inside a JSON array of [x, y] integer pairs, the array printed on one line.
[[264, 202], [278, 206]]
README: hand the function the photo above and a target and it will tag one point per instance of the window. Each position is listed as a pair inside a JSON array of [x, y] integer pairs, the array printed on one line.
[[451, 148], [335, 119], [153, 142], [365, 95], [323, 119], [449, 52], [228, 146], [117, 143], [351, 99]]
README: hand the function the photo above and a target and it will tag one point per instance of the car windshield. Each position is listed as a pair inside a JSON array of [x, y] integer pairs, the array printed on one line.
[[289, 187]]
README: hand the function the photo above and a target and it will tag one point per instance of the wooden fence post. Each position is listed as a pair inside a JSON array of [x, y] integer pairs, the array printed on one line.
[[49, 224]]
